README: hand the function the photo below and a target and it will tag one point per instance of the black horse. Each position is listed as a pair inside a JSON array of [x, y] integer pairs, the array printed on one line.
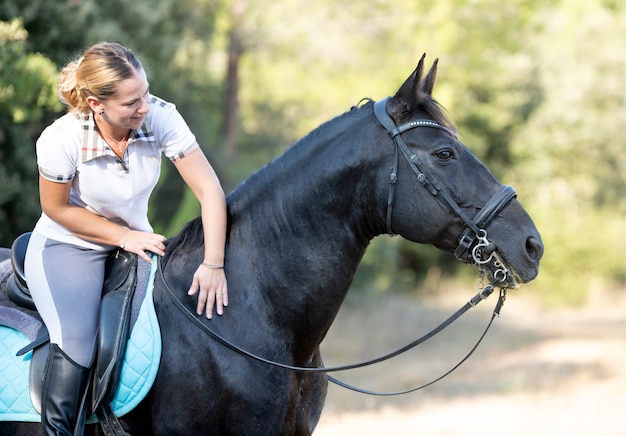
[[298, 229]]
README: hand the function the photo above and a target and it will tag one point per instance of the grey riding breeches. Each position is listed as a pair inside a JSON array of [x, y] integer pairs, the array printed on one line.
[[65, 282]]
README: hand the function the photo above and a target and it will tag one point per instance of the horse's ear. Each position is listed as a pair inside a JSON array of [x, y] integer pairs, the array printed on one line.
[[428, 83], [401, 106]]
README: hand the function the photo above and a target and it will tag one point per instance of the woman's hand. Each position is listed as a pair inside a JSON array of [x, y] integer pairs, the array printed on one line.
[[208, 279], [142, 243], [211, 282], [82, 222]]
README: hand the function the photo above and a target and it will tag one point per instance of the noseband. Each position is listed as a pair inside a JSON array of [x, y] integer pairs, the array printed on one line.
[[475, 233]]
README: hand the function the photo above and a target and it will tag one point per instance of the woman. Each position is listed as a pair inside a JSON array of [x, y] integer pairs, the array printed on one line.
[[98, 165]]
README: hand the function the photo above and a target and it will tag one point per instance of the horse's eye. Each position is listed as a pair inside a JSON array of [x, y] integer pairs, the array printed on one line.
[[445, 154]]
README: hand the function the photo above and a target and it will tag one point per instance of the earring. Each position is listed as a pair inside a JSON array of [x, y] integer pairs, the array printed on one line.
[[101, 112]]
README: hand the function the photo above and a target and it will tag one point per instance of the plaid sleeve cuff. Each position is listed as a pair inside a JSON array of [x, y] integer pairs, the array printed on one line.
[[182, 154], [54, 177]]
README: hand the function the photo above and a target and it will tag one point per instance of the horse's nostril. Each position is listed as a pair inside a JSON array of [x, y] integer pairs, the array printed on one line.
[[534, 248]]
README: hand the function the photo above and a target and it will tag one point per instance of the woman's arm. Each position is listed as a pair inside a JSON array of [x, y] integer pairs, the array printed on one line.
[[197, 172], [55, 203]]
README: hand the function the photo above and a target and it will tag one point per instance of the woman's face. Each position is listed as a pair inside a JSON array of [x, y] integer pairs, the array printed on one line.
[[128, 108]]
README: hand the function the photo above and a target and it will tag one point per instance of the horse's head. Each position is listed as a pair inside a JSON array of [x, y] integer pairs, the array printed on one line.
[[441, 194]]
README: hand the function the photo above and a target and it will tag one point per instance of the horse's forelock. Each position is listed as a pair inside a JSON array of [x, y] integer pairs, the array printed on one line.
[[437, 112]]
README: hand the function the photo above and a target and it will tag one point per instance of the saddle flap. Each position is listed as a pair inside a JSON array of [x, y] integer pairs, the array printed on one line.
[[117, 269], [115, 309], [37, 365]]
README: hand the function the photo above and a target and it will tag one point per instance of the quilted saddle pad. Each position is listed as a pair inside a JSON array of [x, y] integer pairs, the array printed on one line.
[[139, 368]]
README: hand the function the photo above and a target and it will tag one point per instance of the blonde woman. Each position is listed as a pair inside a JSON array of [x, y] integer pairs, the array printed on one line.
[[98, 165]]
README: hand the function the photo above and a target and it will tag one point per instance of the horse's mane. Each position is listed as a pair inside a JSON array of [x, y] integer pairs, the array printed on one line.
[[189, 237], [192, 234]]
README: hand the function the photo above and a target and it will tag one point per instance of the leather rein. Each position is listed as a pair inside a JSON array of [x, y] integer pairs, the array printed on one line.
[[481, 295], [483, 255]]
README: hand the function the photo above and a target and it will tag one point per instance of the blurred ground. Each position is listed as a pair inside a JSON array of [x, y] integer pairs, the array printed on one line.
[[539, 371]]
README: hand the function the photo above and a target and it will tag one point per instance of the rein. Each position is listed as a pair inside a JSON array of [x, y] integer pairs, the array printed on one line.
[[480, 296], [496, 312], [484, 255]]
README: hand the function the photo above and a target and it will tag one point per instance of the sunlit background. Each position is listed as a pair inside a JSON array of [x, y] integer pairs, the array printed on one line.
[[537, 89]]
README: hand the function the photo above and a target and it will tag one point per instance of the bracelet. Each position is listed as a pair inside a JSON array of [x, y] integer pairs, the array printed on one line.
[[210, 265], [123, 244]]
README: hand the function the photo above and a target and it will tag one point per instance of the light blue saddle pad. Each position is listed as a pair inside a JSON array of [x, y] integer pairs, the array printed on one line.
[[139, 369]]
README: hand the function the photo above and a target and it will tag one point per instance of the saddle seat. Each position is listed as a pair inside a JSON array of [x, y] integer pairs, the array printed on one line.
[[17, 289]]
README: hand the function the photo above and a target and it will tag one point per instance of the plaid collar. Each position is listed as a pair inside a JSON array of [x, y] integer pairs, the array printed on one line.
[[93, 145]]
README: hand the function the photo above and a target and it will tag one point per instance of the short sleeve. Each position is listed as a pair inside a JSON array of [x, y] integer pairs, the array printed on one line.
[[171, 130], [57, 150]]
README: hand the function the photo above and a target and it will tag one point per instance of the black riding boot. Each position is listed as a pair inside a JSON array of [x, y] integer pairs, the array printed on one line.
[[64, 393]]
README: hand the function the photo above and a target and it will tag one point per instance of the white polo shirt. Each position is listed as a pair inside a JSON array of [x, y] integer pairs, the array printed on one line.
[[70, 150]]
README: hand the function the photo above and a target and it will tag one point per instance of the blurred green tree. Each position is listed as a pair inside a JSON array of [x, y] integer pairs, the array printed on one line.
[[27, 97], [172, 37], [570, 160], [535, 87]]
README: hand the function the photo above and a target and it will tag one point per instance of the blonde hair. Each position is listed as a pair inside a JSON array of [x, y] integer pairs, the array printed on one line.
[[95, 74]]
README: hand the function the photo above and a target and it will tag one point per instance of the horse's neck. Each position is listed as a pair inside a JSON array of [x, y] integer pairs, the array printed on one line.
[[305, 212], [300, 223], [313, 191]]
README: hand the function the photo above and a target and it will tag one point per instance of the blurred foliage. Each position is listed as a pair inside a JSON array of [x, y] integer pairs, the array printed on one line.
[[27, 95], [570, 160], [536, 88]]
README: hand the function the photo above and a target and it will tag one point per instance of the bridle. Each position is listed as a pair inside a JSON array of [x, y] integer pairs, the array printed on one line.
[[483, 253], [475, 233]]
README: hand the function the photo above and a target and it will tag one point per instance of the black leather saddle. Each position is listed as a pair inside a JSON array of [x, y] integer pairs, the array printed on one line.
[[117, 293]]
